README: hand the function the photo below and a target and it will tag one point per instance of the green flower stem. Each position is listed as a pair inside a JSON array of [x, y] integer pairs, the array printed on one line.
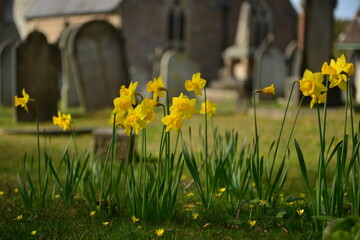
[[207, 164], [258, 184], [38, 143]]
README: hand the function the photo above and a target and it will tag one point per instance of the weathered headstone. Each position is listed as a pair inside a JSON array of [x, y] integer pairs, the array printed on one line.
[[6, 72], [101, 140], [36, 71], [69, 96], [98, 61], [270, 68], [175, 69]]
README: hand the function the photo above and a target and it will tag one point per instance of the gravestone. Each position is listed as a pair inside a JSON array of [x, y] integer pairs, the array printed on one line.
[[175, 69], [355, 79], [69, 96], [98, 62], [101, 140], [6, 72], [36, 71], [270, 68], [293, 57]]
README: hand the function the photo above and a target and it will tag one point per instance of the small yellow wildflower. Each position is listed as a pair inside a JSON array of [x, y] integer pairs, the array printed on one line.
[[281, 194], [76, 197], [195, 84], [18, 218], [105, 223], [139, 227], [190, 194], [63, 121], [302, 195], [16, 190], [345, 194], [300, 211], [253, 184], [57, 196], [262, 202], [183, 177], [135, 219], [1, 193], [157, 86], [198, 203], [33, 232], [289, 203], [252, 223], [98, 207], [222, 190], [195, 215], [159, 232], [22, 101], [188, 207], [92, 213], [268, 90], [251, 205], [210, 108], [218, 195]]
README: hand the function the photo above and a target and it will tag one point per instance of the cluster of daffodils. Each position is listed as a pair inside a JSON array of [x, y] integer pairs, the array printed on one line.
[[338, 71], [133, 116]]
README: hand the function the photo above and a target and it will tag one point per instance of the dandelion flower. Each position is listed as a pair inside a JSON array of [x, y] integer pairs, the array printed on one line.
[[195, 215], [268, 90], [105, 223], [22, 101], [18, 218], [135, 219], [33, 232], [159, 232], [195, 84], [92, 213], [300, 211], [252, 223]]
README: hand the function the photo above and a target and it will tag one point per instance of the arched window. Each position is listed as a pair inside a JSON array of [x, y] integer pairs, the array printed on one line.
[[176, 25]]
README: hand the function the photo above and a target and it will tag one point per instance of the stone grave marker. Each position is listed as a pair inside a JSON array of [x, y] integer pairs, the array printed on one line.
[[98, 61], [36, 71], [270, 68], [69, 95], [101, 140], [175, 69], [6, 72]]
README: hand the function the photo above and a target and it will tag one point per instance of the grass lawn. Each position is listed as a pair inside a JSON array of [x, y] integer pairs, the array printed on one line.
[[62, 221]]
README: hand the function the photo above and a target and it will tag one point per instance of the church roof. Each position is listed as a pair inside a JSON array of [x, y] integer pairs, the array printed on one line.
[[53, 8]]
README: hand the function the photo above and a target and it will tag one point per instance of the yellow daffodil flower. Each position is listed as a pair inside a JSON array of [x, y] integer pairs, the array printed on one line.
[[33, 232], [135, 219], [252, 223], [311, 84], [92, 213], [174, 122], [63, 121], [18, 218], [195, 84], [300, 211], [210, 108], [122, 104], [129, 92], [268, 90], [147, 105], [22, 101], [184, 105], [159, 232], [157, 86], [338, 72], [105, 223], [195, 215], [134, 120]]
